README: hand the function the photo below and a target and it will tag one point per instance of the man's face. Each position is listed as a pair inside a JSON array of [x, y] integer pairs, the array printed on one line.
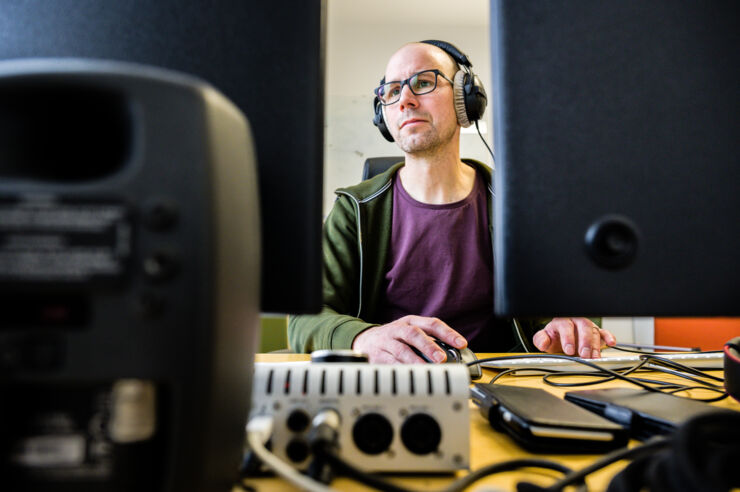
[[423, 123]]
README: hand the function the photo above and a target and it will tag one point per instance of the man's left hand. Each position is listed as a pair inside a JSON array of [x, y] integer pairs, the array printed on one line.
[[564, 335]]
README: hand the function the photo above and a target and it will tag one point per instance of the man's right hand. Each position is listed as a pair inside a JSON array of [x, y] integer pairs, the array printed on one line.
[[390, 344]]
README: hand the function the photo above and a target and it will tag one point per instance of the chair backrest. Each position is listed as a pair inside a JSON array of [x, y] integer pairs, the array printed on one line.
[[376, 165]]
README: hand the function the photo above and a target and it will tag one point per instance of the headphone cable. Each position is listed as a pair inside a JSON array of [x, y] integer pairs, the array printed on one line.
[[493, 158]]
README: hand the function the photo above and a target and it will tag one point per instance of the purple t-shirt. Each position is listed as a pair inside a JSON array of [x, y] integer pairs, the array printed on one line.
[[440, 262]]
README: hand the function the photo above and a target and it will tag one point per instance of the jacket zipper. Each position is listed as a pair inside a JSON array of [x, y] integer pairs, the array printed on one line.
[[356, 204]]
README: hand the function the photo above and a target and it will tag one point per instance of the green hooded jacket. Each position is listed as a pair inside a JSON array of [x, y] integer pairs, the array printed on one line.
[[356, 240]]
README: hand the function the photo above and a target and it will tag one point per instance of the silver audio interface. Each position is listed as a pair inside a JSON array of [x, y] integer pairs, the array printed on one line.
[[394, 418]]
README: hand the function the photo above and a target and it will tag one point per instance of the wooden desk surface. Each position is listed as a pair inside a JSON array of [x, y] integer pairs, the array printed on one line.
[[487, 447]]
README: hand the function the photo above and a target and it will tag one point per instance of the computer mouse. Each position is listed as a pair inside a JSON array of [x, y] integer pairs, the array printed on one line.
[[454, 354]]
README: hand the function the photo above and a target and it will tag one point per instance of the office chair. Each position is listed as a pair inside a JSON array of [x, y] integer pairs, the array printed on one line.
[[377, 165]]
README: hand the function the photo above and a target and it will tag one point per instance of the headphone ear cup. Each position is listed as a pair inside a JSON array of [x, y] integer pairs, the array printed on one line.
[[469, 98], [476, 98], [458, 98], [379, 121]]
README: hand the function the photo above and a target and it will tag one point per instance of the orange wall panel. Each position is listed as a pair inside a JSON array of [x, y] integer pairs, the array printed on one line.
[[707, 333]]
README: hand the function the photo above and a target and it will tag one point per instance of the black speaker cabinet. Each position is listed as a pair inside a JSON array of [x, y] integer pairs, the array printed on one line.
[[129, 278]]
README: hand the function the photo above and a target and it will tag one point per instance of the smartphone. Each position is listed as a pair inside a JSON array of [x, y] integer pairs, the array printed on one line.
[[644, 413], [541, 422]]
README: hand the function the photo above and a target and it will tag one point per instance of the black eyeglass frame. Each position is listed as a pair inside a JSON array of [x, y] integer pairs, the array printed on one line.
[[436, 72]]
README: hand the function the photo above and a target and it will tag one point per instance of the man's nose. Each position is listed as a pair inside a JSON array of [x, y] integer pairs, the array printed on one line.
[[408, 98]]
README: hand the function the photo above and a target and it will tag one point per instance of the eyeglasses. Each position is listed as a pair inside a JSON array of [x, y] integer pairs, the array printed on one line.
[[420, 83]]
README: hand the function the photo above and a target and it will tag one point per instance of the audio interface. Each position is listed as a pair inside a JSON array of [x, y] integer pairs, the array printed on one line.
[[393, 418]]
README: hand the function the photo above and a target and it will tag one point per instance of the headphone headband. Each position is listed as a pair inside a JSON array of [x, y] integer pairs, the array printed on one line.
[[457, 55]]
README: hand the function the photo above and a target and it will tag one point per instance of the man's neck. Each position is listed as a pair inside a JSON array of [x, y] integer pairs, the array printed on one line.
[[437, 179]]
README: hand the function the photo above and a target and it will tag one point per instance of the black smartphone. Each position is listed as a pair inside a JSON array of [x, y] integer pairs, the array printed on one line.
[[541, 422], [644, 413]]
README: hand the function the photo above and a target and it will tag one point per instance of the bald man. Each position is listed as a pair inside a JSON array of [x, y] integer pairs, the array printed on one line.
[[408, 254]]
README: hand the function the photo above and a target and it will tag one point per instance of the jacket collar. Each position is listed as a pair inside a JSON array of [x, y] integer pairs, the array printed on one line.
[[377, 185]]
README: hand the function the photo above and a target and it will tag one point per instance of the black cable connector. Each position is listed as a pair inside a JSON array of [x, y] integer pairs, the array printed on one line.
[[324, 437]]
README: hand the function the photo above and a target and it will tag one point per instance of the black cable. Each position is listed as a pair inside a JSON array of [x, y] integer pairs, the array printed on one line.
[[325, 430], [722, 396], [572, 359], [344, 468], [379, 483], [622, 454], [509, 371], [601, 377], [551, 373], [511, 465], [657, 360], [703, 455], [605, 378], [648, 362], [661, 364], [485, 143], [685, 376]]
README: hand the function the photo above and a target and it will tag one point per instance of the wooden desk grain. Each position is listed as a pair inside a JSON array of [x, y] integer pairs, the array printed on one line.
[[487, 447]]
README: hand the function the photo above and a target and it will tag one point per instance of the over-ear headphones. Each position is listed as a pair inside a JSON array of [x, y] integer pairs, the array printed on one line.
[[469, 96], [732, 368]]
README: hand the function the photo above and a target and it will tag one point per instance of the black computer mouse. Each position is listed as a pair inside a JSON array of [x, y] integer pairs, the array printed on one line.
[[454, 354]]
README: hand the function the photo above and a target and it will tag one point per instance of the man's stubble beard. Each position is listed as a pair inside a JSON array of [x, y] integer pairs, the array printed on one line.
[[425, 142]]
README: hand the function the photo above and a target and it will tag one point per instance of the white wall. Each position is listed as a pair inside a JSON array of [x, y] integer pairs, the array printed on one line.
[[631, 330], [359, 44]]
